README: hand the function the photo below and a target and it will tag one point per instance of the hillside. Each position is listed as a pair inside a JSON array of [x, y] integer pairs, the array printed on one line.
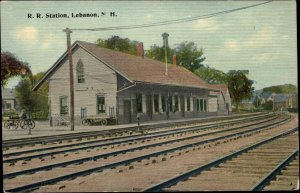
[[286, 88]]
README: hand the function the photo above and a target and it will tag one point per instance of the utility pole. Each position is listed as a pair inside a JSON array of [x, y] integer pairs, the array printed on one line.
[[68, 32], [165, 39]]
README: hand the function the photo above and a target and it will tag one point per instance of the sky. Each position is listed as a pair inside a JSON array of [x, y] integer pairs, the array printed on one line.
[[260, 39]]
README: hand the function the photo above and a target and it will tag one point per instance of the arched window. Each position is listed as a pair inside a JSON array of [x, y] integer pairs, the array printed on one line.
[[80, 72]]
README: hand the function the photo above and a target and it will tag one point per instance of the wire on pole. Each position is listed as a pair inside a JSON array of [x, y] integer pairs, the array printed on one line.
[[168, 22]]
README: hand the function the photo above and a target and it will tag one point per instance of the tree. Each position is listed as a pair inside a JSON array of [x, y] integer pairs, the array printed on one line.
[[187, 53], [158, 53], [239, 86], [189, 56], [211, 75], [11, 66], [120, 44], [33, 102]]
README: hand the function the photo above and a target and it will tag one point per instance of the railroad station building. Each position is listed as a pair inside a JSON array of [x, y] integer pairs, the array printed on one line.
[[110, 83]]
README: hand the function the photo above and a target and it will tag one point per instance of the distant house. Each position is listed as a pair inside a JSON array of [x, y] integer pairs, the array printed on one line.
[[292, 101], [265, 97], [282, 101], [8, 100], [112, 83]]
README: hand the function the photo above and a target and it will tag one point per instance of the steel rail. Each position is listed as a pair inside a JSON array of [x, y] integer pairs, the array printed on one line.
[[53, 138], [174, 180], [94, 158], [131, 140], [110, 131], [139, 137], [261, 184]]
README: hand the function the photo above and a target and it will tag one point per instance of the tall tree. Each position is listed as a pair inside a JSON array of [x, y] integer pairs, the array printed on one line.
[[239, 86], [158, 53], [189, 56], [211, 75], [30, 101], [117, 43], [11, 66]]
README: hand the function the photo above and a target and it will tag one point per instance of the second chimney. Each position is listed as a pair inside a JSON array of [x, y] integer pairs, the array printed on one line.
[[140, 49], [174, 60]]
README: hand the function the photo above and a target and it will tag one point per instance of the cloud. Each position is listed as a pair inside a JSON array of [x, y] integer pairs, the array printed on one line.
[[206, 24], [262, 58], [148, 18], [28, 34], [48, 40], [232, 45], [261, 38], [285, 37]]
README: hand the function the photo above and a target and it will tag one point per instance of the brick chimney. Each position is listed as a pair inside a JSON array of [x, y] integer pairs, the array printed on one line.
[[174, 60], [140, 49]]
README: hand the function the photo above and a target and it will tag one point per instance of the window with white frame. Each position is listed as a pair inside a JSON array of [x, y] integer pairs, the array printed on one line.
[[80, 72], [100, 104], [63, 105]]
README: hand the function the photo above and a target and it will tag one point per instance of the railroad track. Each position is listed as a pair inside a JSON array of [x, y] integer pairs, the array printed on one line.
[[90, 134], [109, 164], [114, 153], [286, 177], [238, 170], [126, 139]]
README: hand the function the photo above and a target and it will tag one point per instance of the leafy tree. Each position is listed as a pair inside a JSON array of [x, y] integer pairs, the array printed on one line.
[[33, 102], [158, 53], [187, 53], [211, 75], [189, 56], [11, 66], [239, 86], [117, 43]]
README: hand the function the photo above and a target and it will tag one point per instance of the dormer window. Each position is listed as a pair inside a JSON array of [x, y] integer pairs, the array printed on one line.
[[80, 72]]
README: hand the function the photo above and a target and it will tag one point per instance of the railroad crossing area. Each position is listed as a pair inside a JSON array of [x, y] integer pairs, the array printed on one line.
[[255, 151]]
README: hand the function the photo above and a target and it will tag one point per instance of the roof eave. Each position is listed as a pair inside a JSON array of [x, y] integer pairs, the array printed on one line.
[[164, 84], [107, 64], [52, 68], [56, 64]]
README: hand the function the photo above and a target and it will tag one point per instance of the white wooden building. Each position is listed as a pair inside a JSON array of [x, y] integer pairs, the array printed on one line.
[[112, 83]]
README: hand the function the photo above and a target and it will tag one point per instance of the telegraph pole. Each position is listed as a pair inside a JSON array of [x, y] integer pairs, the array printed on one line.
[[165, 39], [68, 32]]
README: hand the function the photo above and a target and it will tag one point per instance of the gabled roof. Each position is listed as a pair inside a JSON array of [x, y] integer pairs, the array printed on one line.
[[265, 95], [137, 69], [221, 87], [281, 97]]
